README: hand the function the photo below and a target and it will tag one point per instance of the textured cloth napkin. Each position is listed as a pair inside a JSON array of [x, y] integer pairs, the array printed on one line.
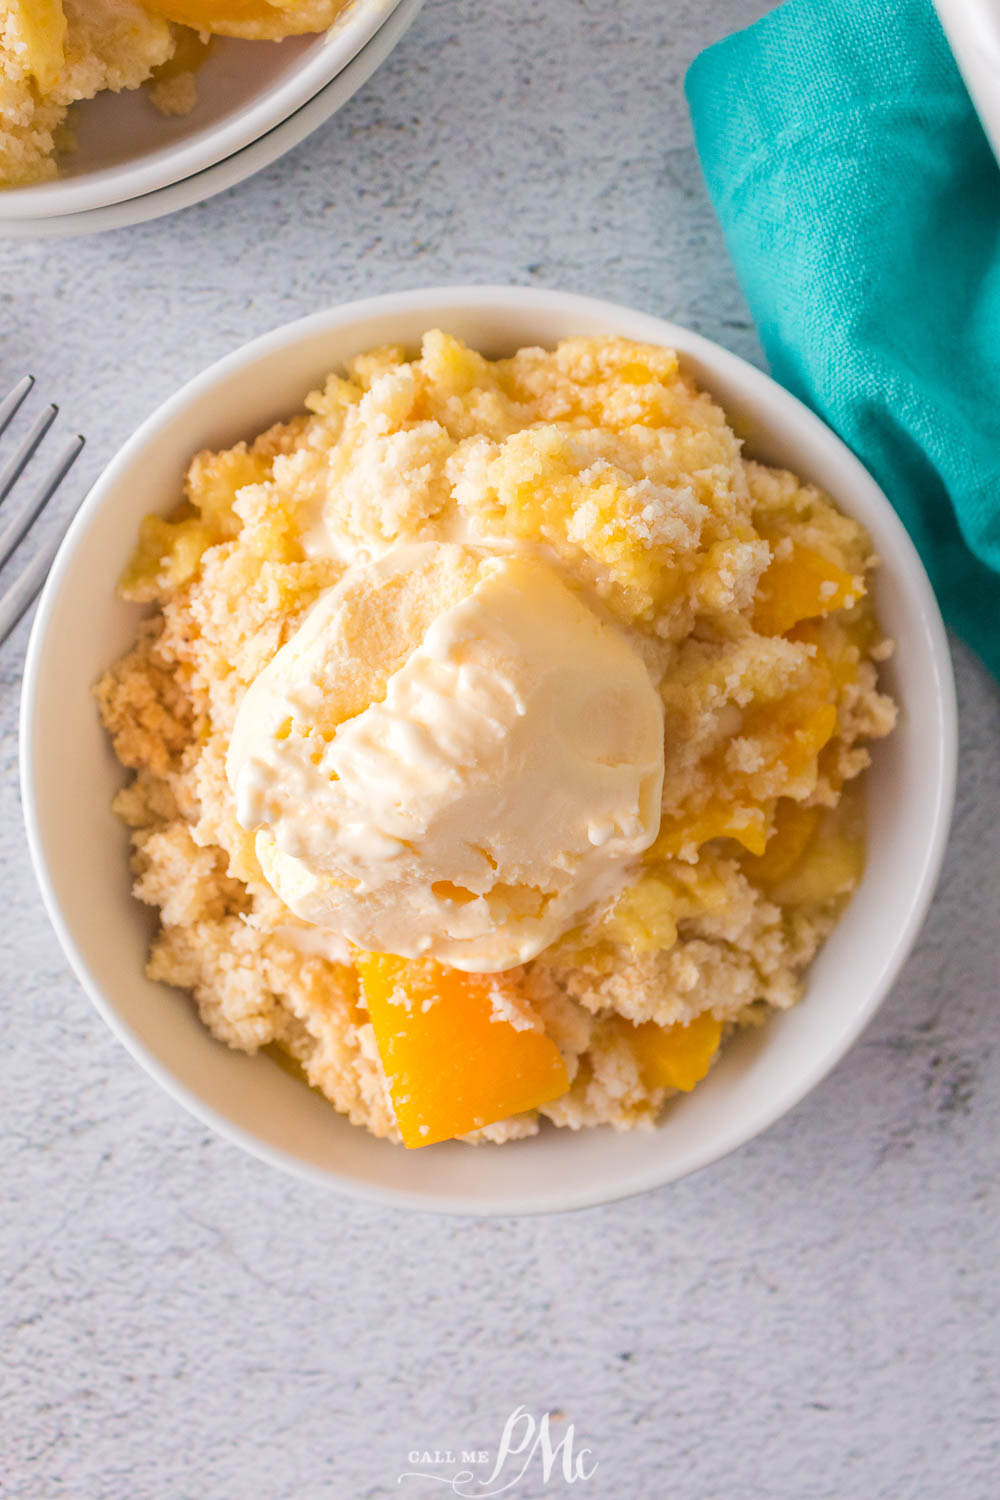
[[861, 205]]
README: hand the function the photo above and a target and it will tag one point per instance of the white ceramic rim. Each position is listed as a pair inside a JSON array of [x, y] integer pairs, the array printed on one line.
[[174, 163], [972, 29], [636, 325], [236, 168]]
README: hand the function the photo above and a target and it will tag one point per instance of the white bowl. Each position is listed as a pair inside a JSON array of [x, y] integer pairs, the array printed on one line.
[[80, 850], [972, 28], [242, 164], [125, 149]]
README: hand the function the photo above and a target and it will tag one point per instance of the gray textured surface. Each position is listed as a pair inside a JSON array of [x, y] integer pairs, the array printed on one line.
[[816, 1316]]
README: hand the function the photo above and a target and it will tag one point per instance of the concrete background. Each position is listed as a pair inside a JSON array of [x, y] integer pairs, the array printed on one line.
[[816, 1316]]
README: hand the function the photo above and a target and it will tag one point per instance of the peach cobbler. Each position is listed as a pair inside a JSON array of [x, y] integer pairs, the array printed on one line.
[[496, 732]]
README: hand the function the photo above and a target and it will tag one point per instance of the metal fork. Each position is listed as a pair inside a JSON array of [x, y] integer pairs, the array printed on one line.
[[15, 601]]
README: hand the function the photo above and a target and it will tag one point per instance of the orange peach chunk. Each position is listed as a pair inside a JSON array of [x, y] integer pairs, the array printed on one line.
[[253, 19], [459, 1050], [801, 586], [676, 1057], [716, 820], [794, 829], [43, 29], [806, 738]]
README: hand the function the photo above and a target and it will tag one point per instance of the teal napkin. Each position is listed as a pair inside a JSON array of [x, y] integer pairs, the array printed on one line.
[[861, 205]]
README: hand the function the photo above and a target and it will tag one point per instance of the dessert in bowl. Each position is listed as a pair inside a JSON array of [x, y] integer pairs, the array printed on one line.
[[469, 708], [517, 675]]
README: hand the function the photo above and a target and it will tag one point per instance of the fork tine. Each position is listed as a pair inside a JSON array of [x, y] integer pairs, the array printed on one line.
[[23, 455], [21, 593], [18, 525], [10, 403]]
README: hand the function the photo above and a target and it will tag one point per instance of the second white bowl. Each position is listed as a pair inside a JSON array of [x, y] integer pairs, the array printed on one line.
[[241, 164], [125, 149], [80, 851]]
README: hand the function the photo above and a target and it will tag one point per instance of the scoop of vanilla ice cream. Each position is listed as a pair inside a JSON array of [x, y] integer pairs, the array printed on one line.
[[454, 756]]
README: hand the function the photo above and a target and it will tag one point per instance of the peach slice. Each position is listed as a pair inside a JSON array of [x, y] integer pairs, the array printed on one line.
[[795, 827], [459, 1050], [718, 819], [256, 20], [676, 1056], [43, 28], [801, 586]]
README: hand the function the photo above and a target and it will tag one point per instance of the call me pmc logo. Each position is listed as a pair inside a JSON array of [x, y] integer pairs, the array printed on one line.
[[525, 1444]]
